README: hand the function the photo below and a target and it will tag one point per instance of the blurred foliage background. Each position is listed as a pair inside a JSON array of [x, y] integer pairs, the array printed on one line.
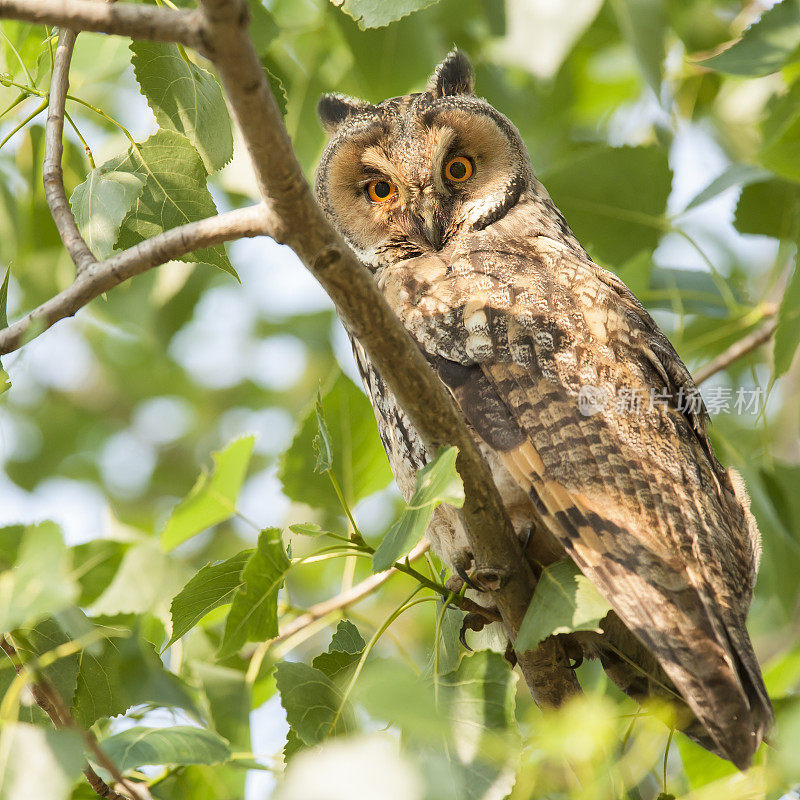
[[676, 162]]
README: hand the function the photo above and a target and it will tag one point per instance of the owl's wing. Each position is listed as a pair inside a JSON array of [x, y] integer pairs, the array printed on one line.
[[636, 497]]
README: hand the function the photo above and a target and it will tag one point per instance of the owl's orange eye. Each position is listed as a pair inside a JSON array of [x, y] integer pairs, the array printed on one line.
[[458, 169], [381, 191]]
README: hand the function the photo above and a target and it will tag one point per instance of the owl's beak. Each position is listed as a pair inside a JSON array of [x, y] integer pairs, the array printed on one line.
[[431, 223]]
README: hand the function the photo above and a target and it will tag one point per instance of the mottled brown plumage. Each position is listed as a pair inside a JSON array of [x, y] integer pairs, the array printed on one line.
[[517, 321]]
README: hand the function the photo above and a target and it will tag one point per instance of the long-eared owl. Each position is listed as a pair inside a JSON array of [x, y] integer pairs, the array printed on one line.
[[536, 343]]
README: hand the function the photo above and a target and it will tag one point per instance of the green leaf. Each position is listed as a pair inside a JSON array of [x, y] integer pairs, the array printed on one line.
[[614, 198], [343, 653], [782, 673], [308, 529], [734, 175], [276, 85], [359, 461], [254, 613], [346, 638], [11, 537], [437, 482], [780, 148], [693, 290], [38, 762], [177, 745], [101, 203], [213, 497], [311, 701], [4, 300], [174, 193], [263, 28], [377, 13], [449, 645], [466, 730], [213, 586], [144, 582], [564, 601], [769, 208], [700, 766], [95, 565], [322, 444], [644, 25], [124, 671], [41, 583], [766, 46], [479, 698], [787, 334], [185, 99], [775, 504], [4, 382], [35, 642], [229, 700]]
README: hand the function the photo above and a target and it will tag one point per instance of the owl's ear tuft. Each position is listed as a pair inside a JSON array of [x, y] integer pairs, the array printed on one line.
[[334, 109], [453, 76]]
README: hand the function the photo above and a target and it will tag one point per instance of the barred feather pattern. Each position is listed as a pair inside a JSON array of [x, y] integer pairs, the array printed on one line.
[[517, 321]]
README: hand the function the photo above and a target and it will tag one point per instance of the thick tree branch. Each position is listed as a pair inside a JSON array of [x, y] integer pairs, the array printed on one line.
[[368, 317], [52, 174], [100, 276], [49, 700], [745, 345], [126, 19]]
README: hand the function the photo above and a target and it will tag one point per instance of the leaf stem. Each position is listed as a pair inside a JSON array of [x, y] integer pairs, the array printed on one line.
[[404, 606], [356, 536], [38, 110], [86, 148]]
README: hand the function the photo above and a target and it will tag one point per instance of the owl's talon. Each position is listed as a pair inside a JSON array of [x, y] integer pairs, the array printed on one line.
[[462, 573], [574, 663], [527, 540], [473, 621]]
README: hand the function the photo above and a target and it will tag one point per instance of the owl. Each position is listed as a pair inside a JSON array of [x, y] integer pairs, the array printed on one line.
[[537, 345]]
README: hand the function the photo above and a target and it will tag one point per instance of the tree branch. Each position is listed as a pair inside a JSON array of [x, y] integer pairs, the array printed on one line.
[[49, 700], [52, 174], [100, 276], [347, 598], [368, 317], [125, 19], [738, 349]]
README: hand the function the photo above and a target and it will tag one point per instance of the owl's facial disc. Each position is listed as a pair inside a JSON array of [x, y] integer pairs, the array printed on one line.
[[411, 174], [406, 184]]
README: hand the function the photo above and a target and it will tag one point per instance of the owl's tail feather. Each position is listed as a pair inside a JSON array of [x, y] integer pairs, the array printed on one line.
[[633, 668]]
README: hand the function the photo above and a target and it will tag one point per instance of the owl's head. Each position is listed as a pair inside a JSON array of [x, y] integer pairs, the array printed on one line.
[[408, 175]]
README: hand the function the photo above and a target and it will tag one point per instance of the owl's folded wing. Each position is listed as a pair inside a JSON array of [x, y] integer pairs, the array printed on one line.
[[634, 495]]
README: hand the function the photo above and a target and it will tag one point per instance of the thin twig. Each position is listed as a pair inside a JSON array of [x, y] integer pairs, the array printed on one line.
[[745, 345], [365, 588], [345, 599], [101, 276], [125, 19], [49, 700], [52, 174]]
